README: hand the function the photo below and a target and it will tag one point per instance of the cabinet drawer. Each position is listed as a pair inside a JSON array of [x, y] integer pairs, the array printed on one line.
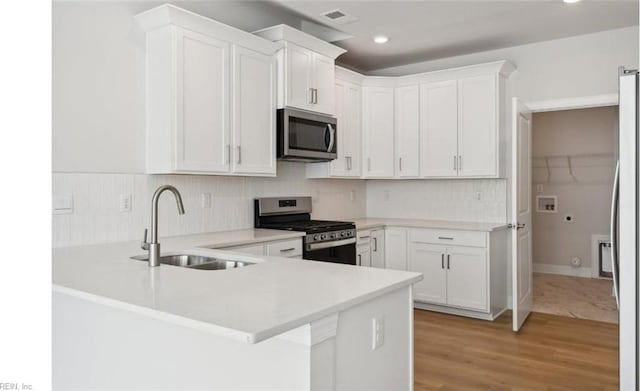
[[254, 249], [364, 237], [286, 248], [453, 237]]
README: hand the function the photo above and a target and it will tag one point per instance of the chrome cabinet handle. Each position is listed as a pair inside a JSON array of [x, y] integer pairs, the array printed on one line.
[[286, 250], [349, 163], [445, 238], [442, 261], [238, 155], [448, 260], [375, 244], [400, 163], [614, 233], [311, 95], [332, 137], [364, 237], [455, 163], [315, 95], [359, 259]]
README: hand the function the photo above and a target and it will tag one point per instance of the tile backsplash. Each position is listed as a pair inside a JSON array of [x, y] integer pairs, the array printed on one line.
[[96, 216], [482, 200]]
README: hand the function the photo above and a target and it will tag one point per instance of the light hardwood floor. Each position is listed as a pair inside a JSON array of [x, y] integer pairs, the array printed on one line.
[[550, 353]]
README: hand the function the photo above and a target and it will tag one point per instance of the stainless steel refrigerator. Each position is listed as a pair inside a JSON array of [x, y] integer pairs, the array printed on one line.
[[624, 229]]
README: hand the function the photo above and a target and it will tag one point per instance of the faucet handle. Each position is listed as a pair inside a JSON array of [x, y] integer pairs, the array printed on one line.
[[144, 244]]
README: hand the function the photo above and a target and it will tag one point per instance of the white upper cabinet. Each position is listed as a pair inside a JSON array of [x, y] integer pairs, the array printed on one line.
[[378, 134], [305, 69], [439, 129], [348, 102], [254, 112], [210, 96], [202, 94], [478, 126], [407, 130]]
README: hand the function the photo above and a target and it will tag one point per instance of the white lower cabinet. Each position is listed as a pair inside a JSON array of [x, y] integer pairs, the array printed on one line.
[[395, 248], [377, 248], [363, 255], [290, 248], [429, 260], [467, 277]]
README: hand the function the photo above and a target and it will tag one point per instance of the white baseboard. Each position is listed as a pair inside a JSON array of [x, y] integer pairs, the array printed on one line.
[[562, 270]]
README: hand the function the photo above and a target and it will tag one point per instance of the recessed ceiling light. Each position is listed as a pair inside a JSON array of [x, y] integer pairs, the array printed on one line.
[[570, 1], [380, 39]]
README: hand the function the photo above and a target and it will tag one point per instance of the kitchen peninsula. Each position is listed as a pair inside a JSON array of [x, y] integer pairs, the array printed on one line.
[[278, 323]]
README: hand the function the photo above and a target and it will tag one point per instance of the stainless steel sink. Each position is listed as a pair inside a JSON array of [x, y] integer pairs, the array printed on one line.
[[196, 261]]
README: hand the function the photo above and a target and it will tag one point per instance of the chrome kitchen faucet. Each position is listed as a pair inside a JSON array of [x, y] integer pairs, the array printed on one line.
[[153, 246]]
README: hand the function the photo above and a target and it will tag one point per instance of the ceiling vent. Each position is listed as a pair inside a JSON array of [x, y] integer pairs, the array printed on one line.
[[338, 17]]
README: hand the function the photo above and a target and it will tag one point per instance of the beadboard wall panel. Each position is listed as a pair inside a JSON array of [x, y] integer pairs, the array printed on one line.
[[439, 199], [96, 216]]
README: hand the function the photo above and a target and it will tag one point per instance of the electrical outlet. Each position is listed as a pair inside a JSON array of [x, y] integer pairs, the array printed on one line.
[[125, 202], [540, 188], [377, 332], [477, 195], [62, 204], [205, 200]]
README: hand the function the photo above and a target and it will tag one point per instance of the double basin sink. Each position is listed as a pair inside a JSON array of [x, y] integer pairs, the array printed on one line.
[[200, 262]]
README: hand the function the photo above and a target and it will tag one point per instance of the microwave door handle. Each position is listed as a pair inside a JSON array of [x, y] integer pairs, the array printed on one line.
[[332, 137]]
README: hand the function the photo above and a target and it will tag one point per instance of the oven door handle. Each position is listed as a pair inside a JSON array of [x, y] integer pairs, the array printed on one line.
[[334, 243]]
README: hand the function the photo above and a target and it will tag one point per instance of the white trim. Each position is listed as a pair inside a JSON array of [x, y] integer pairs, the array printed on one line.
[[313, 333], [285, 33], [563, 270], [457, 311], [579, 102], [595, 239]]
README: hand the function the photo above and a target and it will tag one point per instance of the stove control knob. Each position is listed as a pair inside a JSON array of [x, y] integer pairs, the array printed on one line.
[[343, 234], [315, 237], [323, 237]]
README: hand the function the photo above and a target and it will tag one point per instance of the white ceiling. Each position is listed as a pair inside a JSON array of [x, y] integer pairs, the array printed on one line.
[[428, 30]]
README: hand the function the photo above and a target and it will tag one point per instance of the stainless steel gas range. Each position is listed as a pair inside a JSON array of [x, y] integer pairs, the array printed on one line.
[[328, 241]]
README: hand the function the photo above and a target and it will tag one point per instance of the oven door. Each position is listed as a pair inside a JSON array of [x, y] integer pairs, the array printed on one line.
[[306, 136], [339, 251]]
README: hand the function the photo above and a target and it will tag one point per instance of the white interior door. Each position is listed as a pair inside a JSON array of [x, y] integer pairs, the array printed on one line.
[[521, 215]]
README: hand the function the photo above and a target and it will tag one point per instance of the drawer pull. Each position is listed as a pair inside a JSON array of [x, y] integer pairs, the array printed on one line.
[[445, 238], [364, 237], [286, 250], [448, 260], [442, 262]]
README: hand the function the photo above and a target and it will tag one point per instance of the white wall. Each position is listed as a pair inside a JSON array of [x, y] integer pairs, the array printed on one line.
[[588, 137], [584, 65]]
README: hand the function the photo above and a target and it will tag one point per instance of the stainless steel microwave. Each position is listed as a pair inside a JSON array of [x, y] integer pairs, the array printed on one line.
[[305, 136]]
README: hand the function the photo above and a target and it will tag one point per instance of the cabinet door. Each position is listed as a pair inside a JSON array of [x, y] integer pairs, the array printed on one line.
[[407, 130], [299, 65], [339, 166], [429, 260], [363, 255], [323, 77], [477, 126], [467, 278], [395, 248], [439, 129], [253, 118], [378, 132], [202, 99], [348, 108], [377, 248]]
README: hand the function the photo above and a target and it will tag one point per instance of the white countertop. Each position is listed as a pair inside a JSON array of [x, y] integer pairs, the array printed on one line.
[[372, 222], [251, 304]]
